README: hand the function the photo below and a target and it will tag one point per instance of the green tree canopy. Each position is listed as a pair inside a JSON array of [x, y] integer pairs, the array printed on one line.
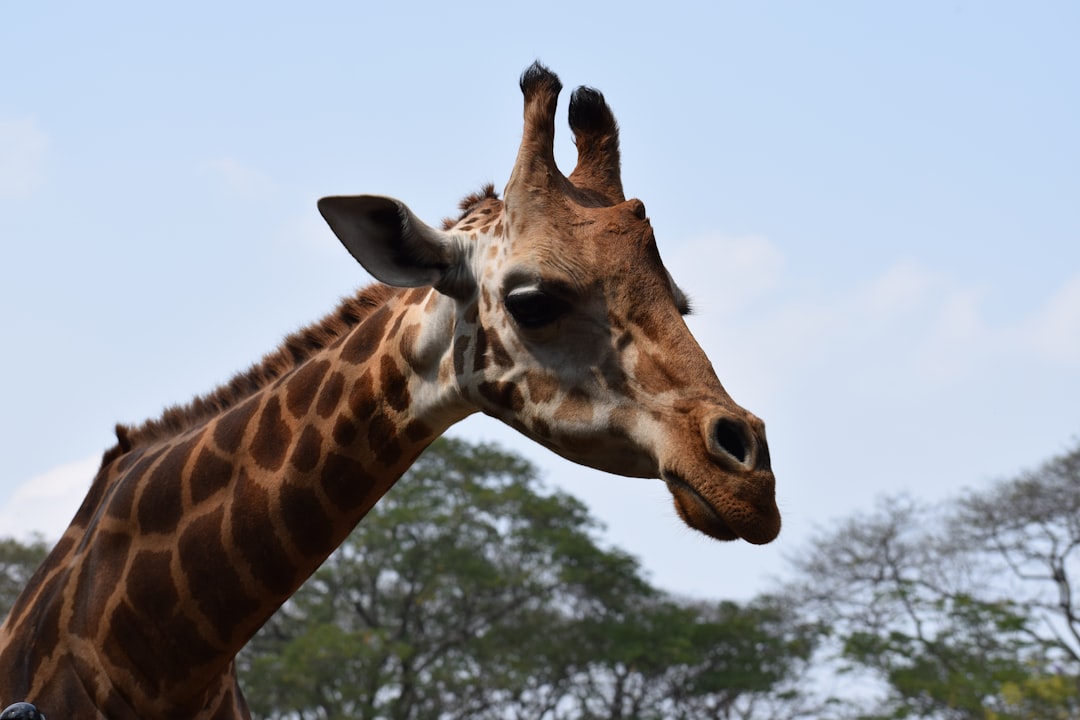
[[18, 561]]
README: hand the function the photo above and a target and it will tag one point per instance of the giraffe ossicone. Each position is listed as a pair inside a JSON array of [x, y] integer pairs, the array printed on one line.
[[548, 309]]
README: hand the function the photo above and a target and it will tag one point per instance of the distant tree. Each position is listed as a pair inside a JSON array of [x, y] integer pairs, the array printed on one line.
[[1024, 535], [964, 610], [1028, 528], [751, 661], [18, 561], [682, 660]]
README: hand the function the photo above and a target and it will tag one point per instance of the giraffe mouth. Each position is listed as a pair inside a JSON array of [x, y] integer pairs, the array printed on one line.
[[735, 521], [696, 511]]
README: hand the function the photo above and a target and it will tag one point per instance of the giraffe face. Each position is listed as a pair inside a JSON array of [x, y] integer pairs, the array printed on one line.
[[569, 328]]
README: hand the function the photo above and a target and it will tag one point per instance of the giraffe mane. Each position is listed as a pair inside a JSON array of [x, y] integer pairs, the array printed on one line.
[[471, 202], [294, 350]]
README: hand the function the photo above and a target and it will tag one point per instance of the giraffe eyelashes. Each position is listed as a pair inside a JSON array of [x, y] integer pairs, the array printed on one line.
[[533, 308]]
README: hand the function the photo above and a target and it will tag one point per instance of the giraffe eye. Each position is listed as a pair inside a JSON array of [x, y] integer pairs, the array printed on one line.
[[533, 308]]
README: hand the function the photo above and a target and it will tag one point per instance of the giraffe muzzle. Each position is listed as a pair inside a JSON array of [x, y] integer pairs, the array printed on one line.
[[732, 494]]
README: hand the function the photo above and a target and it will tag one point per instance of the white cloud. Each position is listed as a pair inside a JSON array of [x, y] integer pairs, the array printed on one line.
[[905, 326], [46, 503], [23, 146]]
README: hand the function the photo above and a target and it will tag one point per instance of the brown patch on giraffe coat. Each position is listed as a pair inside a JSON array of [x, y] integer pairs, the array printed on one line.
[[210, 474], [251, 527], [345, 431], [102, 573], [540, 428], [396, 327], [346, 483], [480, 353], [230, 428], [330, 395], [543, 386], [395, 386], [409, 347], [417, 430], [615, 379], [305, 520], [498, 352], [121, 502], [415, 295], [162, 500], [503, 394], [308, 450], [272, 439], [576, 407], [382, 439], [213, 582], [303, 386], [366, 339], [362, 400]]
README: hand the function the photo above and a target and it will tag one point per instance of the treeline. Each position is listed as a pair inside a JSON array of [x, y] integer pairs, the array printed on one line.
[[472, 591]]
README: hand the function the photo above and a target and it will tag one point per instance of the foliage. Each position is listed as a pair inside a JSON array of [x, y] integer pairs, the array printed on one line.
[[966, 611], [17, 563]]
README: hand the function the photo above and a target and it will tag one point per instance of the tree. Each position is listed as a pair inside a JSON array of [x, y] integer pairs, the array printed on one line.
[[18, 561], [1025, 533], [964, 611], [750, 661]]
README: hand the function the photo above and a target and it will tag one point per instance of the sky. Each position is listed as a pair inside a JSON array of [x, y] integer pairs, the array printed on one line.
[[875, 208]]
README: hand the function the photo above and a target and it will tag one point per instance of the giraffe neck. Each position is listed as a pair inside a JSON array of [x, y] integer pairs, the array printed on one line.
[[192, 542]]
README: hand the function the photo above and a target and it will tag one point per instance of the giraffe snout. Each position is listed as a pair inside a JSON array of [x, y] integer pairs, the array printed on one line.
[[734, 495]]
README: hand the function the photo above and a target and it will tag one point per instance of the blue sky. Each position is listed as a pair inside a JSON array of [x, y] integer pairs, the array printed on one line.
[[875, 206]]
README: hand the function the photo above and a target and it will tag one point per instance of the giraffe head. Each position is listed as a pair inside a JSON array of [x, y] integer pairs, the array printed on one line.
[[562, 321]]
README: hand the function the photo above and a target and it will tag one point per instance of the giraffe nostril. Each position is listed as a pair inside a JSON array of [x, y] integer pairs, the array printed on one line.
[[730, 437]]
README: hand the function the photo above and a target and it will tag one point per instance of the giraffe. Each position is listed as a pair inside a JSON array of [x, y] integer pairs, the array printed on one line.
[[548, 308]]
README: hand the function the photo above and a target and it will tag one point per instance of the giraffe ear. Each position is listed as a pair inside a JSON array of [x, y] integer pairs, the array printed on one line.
[[392, 244]]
